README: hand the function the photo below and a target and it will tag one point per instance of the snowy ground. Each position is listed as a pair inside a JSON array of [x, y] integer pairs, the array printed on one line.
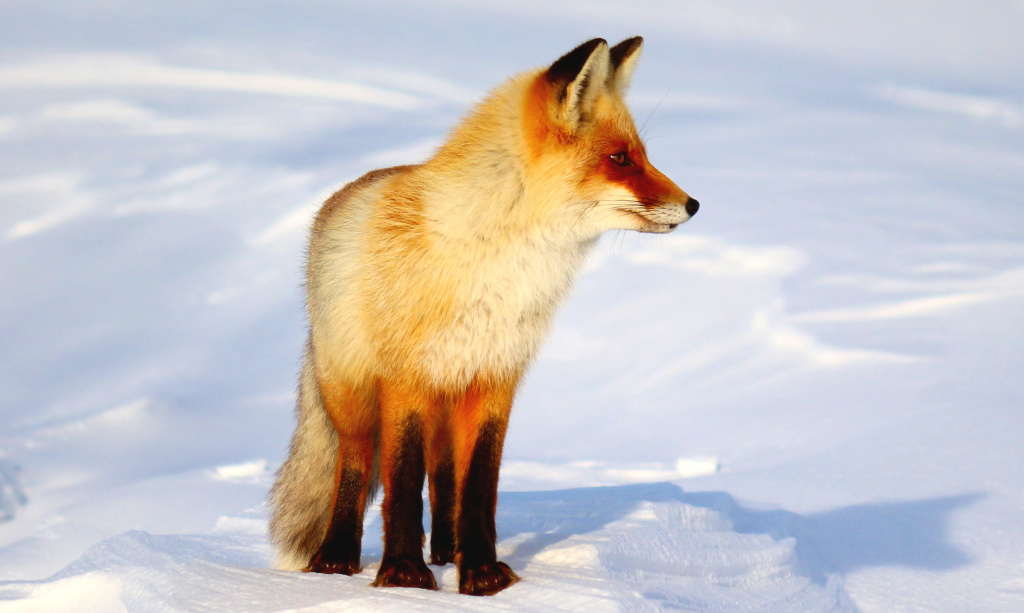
[[806, 399]]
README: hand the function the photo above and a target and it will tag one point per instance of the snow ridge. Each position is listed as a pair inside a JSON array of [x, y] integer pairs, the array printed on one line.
[[624, 548]]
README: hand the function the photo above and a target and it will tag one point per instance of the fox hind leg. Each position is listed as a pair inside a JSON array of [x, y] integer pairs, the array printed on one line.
[[340, 551], [353, 413]]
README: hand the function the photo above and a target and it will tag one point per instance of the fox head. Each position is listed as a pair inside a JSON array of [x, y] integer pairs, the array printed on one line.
[[585, 161]]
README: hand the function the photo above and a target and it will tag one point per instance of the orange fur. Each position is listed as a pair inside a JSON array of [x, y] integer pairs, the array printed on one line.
[[483, 401], [400, 401]]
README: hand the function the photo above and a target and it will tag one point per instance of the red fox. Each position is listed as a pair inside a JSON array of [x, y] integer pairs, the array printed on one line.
[[430, 288]]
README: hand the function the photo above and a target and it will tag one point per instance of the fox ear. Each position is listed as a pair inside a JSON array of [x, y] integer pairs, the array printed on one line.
[[578, 76], [624, 57]]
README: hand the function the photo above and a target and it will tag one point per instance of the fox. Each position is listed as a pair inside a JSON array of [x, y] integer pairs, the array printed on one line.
[[429, 290]]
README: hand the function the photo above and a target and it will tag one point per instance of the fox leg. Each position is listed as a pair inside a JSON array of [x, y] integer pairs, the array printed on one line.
[[353, 413], [402, 474], [479, 422], [441, 477]]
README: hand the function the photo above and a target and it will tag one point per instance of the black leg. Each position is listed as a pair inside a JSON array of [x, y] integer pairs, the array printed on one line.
[[442, 512], [339, 552], [479, 571], [402, 511]]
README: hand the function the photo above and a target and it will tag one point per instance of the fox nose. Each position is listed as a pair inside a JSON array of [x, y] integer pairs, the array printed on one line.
[[691, 207]]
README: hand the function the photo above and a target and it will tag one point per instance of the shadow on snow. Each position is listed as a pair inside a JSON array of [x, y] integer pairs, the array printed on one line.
[[907, 533]]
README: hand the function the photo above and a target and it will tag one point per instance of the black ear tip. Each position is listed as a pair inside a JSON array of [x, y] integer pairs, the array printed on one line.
[[591, 44], [626, 48], [585, 49], [568, 66]]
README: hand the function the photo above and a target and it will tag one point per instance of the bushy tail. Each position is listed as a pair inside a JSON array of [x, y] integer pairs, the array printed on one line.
[[304, 491]]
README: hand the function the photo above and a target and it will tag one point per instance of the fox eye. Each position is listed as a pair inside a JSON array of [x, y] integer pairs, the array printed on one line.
[[621, 158]]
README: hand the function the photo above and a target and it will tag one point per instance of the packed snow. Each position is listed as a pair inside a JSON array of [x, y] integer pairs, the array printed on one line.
[[808, 398]]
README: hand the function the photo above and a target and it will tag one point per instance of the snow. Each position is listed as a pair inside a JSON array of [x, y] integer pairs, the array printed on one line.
[[805, 399]]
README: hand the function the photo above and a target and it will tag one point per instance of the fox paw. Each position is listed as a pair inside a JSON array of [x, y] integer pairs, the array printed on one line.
[[332, 567], [486, 579], [405, 572]]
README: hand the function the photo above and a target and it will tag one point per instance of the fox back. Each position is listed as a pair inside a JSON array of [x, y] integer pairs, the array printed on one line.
[[430, 288]]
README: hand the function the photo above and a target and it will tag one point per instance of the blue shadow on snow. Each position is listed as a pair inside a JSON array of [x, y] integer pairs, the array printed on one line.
[[909, 533]]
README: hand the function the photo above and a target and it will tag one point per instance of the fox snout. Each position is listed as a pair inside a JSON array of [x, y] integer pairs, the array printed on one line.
[[666, 216]]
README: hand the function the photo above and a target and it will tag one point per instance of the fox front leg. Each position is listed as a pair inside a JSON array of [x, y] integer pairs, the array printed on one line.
[[479, 422]]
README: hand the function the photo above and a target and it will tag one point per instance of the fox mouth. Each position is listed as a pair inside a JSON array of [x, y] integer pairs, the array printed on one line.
[[659, 228], [649, 226]]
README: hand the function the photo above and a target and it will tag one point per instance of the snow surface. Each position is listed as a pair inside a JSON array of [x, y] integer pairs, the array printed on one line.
[[806, 399]]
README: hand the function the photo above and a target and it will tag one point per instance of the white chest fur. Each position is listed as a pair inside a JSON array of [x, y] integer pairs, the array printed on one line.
[[503, 308]]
